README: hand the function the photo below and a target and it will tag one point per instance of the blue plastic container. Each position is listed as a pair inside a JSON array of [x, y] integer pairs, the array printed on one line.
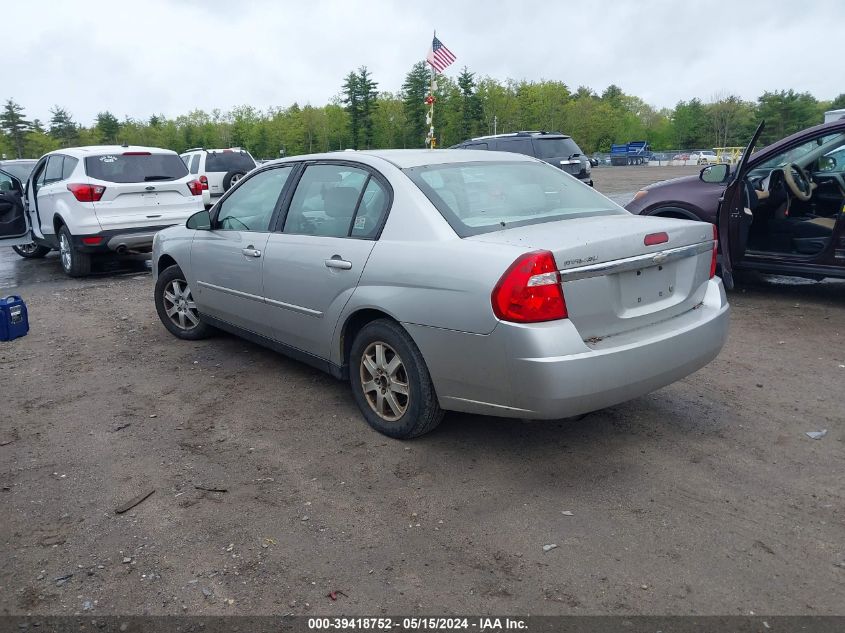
[[14, 321]]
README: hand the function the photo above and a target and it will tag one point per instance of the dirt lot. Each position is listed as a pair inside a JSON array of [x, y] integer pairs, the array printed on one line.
[[705, 497]]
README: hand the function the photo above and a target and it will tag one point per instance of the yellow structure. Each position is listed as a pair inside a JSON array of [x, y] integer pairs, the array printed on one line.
[[728, 154]]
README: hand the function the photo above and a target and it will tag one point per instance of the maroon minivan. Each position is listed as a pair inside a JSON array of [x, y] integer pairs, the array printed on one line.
[[780, 211]]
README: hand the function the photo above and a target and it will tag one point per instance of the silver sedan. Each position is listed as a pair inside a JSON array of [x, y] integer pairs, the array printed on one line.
[[453, 280]]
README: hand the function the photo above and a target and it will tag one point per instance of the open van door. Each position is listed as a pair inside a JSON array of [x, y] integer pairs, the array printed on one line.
[[734, 221], [14, 220]]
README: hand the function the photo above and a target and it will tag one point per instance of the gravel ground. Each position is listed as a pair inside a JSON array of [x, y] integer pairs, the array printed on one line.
[[706, 497]]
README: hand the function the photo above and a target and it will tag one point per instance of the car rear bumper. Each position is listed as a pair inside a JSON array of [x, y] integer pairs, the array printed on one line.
[[546, 371], [119, 240]]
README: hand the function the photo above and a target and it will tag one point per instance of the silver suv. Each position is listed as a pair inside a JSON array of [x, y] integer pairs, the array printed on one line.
[[217, 169]]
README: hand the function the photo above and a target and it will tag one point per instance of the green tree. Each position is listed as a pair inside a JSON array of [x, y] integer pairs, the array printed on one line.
[[690, 121], [15, 125], [415, 88], [352, 101], [786, 112], [62, 127], [469, 105], [107, 127], [368, 91], [837, 103]]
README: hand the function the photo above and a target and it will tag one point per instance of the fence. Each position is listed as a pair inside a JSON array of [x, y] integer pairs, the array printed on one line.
[[681, 157]]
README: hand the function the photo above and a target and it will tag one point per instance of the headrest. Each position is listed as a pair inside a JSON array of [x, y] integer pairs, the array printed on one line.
[[339, 202]]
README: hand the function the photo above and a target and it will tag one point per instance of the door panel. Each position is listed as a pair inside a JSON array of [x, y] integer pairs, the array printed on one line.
[[14, 223], [313, 266], [227, 277], [227, 261], [308, 280]]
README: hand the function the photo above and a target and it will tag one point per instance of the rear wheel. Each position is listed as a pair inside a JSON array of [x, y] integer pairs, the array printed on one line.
[[176, 307], [391, 383], [74, 262], [31, 251]]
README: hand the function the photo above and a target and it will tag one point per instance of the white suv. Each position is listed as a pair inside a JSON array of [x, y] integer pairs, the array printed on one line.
[[217, 169], [704, 157], [100, 199]]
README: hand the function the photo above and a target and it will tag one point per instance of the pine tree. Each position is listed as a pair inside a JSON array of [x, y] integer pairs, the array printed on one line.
[[108, 127], [414, 91], [470, 122], [369, 101], [13, 123], [62, 127], [352, 101]]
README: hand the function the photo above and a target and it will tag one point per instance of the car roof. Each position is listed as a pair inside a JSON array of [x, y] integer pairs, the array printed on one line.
[[94, 150], [405, 158]]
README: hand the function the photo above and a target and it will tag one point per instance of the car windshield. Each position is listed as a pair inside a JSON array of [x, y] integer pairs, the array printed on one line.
[[126, 168], [555, 147], [21, 171], [482, 197], [228, 161]]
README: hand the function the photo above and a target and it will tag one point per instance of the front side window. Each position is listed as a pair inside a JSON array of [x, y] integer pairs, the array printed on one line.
[[325, 201], [481, 197], [6, 182], [805, 153], [251, 205]]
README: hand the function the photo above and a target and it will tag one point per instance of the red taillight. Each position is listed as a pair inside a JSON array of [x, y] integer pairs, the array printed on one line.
[[204, 182], [92, 241], [137, 154], [530, 290], [196, 187], [715, 250], [86, 193], [656, 238]]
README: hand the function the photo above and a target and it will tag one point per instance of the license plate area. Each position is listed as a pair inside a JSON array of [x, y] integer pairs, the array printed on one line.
[[646, 286], [150, 199]]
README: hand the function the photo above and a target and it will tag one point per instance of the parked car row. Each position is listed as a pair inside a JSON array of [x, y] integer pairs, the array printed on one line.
[[95, 200]]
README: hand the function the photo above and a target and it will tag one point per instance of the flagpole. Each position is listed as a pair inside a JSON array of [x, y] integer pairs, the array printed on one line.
[[431, 142]]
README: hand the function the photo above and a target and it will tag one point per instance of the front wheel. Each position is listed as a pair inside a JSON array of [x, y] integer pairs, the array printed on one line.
[[31, 251], [391, 383], [176, 307]]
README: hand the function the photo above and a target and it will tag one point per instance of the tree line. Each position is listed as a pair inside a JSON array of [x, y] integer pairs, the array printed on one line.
[[362, 117]]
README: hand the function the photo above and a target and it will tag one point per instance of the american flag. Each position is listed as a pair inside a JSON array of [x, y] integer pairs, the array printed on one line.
[[439, 56]]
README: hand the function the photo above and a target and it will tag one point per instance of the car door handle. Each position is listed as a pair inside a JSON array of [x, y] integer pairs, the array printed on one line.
[[337, 262], [250, 251]]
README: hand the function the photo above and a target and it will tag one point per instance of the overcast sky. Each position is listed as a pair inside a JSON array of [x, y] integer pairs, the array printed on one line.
[[136, 58]]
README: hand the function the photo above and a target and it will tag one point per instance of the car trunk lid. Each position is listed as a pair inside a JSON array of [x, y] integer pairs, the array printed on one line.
[[612, 280]]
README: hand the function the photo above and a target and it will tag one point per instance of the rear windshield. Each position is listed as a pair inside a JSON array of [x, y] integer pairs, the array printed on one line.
[[228, 161], [555, 147], [135, 167], [482, 197]]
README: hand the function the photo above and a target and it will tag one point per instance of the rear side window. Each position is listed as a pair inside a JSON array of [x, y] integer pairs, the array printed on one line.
[[68, 167], [325, 201], [195, 164], [482, 197], [135, 167], [516, 145], [228, 161]]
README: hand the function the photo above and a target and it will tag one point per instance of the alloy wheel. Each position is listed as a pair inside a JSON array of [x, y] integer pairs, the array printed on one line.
[[384, 381], [179, 305], [65, 251], [28, 249]]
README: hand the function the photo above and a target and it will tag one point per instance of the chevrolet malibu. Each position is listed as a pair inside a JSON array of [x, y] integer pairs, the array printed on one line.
[[457, 280]]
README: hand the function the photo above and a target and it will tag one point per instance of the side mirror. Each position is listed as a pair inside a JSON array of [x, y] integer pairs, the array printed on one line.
[[827, 163], [199, 221], [715, 173]]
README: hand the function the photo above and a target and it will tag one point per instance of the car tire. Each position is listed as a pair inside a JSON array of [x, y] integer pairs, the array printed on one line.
[[378, 380], [231, 178], [75, 263], [176, 308], [31, 251]]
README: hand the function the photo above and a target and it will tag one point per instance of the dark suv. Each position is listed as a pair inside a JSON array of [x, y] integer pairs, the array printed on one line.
[[553, 147]]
